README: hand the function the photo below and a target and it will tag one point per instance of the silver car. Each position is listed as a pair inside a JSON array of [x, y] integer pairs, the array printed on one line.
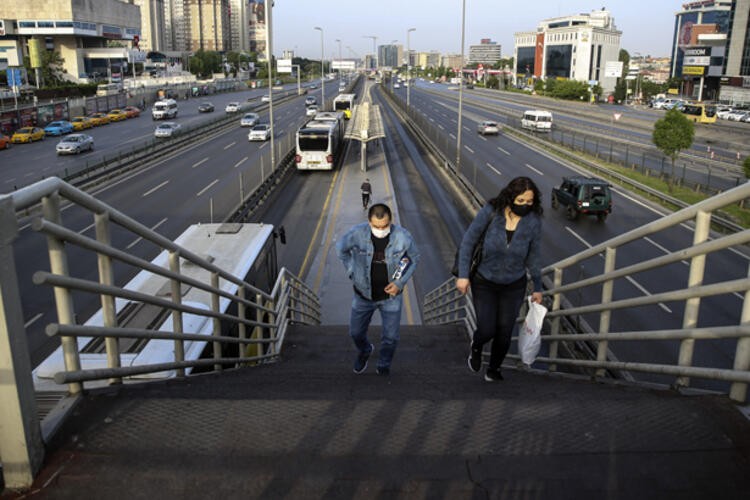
[[74, 144], [167, 129], [249, 120], [260, 132], [488, 127]]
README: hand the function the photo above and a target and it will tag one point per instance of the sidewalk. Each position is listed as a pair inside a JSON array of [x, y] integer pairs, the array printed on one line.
[[326, 276]]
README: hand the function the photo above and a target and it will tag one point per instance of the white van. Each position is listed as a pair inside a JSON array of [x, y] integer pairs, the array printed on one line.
[[540, 121], [164, 109]]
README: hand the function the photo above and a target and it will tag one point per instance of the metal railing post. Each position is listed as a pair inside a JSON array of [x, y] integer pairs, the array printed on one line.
[[692, 306], [242, 313], [738, 390], [21, 446], [216, 321], [63, 297], [177, 326], [555, 327], [106, 277], [605, 316]]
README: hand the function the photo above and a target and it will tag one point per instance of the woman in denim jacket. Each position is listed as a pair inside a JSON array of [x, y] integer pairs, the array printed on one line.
[[513, 223]]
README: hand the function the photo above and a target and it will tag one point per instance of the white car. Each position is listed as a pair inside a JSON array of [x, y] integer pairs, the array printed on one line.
[[260, 132], [396, 85], [249, 120], [723, 113], [488, 127], [74, 144], [311, 110], [232, 107], [167, 129], [736, 115], [310, 100], [265, 98]]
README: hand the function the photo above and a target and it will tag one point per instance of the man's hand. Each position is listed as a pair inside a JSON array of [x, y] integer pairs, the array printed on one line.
[[536, 297], [462, 284], [392, 289]]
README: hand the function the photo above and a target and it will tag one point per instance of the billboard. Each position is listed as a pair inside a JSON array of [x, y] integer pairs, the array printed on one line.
[[257, 27], [613, 69], [36, 47], [284, 66], [344, 65], [693, 70]]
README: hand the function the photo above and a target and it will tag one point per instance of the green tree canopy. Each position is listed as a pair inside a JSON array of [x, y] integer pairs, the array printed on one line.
[[52, 68], [672, 134]]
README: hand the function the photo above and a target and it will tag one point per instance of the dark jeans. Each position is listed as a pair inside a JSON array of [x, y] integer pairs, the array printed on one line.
[[365, 199], [496, 307]]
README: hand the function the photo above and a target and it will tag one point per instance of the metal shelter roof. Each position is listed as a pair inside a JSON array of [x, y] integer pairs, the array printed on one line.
[[366, 123]]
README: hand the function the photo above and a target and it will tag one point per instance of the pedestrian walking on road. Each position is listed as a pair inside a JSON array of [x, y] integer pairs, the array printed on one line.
[[366, 189], [512, 226], [379, 258]]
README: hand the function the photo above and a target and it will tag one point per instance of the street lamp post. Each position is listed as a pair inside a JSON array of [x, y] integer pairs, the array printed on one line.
[[322, 70], [460, 89], [269, 57], [374, 49], [408, 66], [339, 42]]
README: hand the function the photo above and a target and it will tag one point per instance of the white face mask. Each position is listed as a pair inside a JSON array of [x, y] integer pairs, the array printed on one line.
[[380, 233]]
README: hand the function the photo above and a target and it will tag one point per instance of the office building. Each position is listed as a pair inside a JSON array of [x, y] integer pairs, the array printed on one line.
[[176, 26], [574, 47], [209, 27], [238, 22], [452, 61], [390, 56], [153, 35], [487, 53], [257, 27], [735, 83]]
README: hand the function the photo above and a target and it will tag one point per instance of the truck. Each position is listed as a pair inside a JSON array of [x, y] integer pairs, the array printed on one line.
[[583, 195]]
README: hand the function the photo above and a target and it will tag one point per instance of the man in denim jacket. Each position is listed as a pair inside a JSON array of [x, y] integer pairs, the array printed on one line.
[[379, 258]]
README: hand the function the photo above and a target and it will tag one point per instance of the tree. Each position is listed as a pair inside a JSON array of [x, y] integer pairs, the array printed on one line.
[[569, 89], [205, 63], [746, 167], [52, 68], [493, 82], [672, 134]]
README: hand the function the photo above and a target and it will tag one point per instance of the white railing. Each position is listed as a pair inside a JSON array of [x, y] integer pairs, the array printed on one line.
[[261, 318], [446, 305]]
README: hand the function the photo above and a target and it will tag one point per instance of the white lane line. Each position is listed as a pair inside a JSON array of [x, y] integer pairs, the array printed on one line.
[[453, 136], [504, 151], [483, 138], [33, 320], [13, 179], [138, 240], [198, 164], [467, 128], [441, 127], [240, 162], [535, 170], [263, 145], [86, 228], [155, 188], [207, 188], [30, 174], [432, 119], [229, 145], [631, 280], [137, 138], [469, 149], [493, 168], [663, 249]]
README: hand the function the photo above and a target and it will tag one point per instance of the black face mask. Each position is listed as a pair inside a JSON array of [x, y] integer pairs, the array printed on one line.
[[521, 210]]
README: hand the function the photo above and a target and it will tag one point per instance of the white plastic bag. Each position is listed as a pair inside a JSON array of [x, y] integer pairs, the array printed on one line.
[[530, 334]]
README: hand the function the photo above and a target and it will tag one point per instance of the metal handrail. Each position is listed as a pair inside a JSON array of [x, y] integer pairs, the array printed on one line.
[[442, 305]]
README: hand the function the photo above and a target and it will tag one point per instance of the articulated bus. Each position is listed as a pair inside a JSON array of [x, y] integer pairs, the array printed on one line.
[[319, 141], [345, 104], [247, 251], [699, 112]]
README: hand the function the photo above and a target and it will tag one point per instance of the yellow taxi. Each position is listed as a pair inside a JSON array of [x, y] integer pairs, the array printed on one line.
[[117, 115], [4, 141], [99, 119], [81, 123], [28, 134]]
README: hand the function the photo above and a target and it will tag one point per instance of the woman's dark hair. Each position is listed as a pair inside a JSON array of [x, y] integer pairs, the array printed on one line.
[[515, 187]]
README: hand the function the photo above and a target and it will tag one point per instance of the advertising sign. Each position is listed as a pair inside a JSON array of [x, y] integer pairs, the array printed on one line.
[[284, 66], [613, 69], [344, 65], [693, 70], [36, 48]]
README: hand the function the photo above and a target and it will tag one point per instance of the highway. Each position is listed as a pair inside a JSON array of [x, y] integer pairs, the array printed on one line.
[[203, 179]]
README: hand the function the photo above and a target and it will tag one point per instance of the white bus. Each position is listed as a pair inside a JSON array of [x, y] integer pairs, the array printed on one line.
[[105, 89], [165, 109], [539, 121], [247, 251], [345, 104], [319, 141]]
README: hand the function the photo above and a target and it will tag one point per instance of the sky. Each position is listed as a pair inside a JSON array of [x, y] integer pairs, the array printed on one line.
[[646, 25]]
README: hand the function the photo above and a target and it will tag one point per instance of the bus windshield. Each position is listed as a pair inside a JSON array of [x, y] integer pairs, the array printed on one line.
[[314, 143]]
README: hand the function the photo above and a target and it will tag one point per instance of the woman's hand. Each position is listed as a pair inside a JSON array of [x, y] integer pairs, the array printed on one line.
[[462, 284], [536, 297]]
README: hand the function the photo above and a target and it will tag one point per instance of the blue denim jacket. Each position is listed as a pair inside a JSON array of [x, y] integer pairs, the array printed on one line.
[[503, 262], [355, 250]]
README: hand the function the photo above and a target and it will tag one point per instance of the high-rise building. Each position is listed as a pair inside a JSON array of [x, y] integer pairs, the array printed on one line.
[[287, 54], [256, 26], [209, 25], [735, 84], [177, 26], [487, 52], [452, 61], [238, 25], [153, 26], [390, 55], [576, 47]]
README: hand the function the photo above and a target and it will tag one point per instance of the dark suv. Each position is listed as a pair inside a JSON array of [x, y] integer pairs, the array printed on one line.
[[583, 195]]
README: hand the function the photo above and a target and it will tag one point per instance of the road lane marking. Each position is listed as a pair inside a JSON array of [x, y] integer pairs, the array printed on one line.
[[198, 164], [30, 174], [87, 228], [535, 170], [467, 128], [240, 162], [504, 151], [663, 249], [453, 136], [631, 280], [207, 188], [138, 240], [33, 320], [432, 119], [155, 188], [493, 168], [263, 145], [469, 149], [483, 138], [441, 127], [229, 145], [10, 180]]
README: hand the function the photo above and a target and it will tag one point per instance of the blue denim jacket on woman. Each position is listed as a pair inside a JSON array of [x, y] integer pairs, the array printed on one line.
[[355, 249], [502, 262]]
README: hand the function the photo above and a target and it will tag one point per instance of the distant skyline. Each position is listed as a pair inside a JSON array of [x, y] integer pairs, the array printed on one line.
[[646, 25]]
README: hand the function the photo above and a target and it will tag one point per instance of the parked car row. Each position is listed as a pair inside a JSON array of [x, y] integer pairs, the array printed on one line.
[[733, 114]]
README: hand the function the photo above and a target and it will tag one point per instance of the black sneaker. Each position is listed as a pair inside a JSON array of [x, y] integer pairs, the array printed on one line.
[[382, 370], [360, 364], [475, 361], [493, 375]]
